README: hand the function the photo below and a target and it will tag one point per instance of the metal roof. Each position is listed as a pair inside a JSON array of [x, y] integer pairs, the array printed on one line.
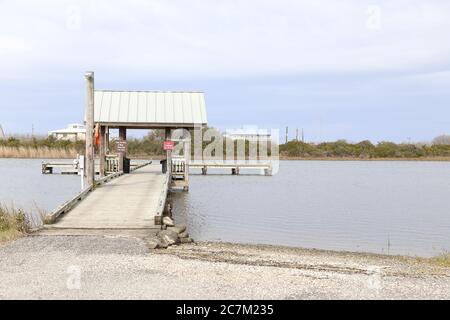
[[149, 108]]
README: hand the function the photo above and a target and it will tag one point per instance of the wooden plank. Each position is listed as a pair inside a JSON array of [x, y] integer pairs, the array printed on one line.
[[131, 201]]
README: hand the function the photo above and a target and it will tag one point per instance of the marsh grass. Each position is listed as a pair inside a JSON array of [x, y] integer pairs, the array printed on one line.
[[37, 153], [13, 223], [441, 260]]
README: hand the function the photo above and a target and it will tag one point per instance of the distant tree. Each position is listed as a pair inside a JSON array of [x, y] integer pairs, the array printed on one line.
[[442, 140], [386, 149]]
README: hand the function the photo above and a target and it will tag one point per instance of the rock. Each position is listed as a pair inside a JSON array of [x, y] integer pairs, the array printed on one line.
[[181, 227], [186, 240], [168, 221], [153, 243], [162, 244], [178, 228], [183, 234], [169, 236]]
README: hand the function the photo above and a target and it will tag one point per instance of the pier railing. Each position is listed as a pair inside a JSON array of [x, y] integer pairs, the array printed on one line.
[[162, 199]]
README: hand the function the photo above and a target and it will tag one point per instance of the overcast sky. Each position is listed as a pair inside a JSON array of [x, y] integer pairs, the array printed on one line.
[[350, 69]]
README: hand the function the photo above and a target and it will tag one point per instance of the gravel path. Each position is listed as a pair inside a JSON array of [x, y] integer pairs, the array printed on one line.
[[115, 266]]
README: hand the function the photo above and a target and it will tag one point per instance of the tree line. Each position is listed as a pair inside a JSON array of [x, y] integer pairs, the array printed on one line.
[[364, 150], [151, 145]]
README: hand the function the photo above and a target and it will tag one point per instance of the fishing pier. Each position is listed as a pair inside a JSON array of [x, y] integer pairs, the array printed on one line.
[[117, 194]]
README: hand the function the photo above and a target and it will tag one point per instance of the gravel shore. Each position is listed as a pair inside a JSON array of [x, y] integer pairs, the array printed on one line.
[[121, 266]]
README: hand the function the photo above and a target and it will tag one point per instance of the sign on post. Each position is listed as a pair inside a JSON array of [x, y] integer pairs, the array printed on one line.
[[169, 145], [121, 146]]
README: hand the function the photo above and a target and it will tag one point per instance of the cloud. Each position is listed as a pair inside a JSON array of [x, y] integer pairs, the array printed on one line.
[[225, 38]]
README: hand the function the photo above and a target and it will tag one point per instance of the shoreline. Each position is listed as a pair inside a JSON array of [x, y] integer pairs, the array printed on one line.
[[114, 266], [431, 260], [253, 246], [424, 159]]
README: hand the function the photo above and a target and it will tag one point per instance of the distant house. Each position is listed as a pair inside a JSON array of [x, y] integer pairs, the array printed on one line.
[[2, 133], [252, 134], [73, 132]]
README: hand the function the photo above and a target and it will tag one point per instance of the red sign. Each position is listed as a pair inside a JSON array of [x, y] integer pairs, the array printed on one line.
[[169, 145]]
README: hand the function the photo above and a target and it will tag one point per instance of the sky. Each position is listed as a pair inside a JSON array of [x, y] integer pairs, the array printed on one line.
[[348, 69]]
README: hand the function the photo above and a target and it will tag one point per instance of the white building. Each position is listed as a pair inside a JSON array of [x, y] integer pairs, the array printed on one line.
[[73, 132], [252, 134]]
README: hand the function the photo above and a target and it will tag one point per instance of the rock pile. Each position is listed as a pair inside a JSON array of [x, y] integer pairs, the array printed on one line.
[[173, 234]]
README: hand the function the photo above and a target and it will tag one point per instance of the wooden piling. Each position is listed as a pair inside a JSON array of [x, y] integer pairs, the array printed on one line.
[[102, 151], [89, 172], [122, 136], [168, 136]]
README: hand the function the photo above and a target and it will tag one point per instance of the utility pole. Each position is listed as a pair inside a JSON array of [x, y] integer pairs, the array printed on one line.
[[32, 130], [89, 172], [303, 136], [296, 135], [287, 131]]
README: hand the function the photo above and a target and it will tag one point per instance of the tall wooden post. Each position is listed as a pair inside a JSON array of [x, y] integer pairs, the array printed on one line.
[[107, 139], [89, 171], [187, 156], [102, 151], [122, 136], [168, 136]]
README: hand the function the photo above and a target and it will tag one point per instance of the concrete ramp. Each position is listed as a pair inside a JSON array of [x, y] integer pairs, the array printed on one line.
[[129, 202]]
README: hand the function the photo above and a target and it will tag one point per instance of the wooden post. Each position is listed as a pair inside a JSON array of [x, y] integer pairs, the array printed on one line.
[[168, 136], [89, 172], [187, 156], [107, 139], [102, 151], [122, 136]]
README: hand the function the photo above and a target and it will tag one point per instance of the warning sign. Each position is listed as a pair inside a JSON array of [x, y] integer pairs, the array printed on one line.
[[169, 145], [121, 146]]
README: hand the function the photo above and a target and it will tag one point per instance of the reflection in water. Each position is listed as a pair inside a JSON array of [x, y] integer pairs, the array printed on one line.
[[380, 207]]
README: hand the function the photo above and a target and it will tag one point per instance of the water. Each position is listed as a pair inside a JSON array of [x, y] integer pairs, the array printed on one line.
[[24, 186], [379, 207]]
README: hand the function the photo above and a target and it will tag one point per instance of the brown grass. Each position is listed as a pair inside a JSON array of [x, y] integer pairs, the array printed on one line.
[[13, 223], [441, 260], [38, 153]]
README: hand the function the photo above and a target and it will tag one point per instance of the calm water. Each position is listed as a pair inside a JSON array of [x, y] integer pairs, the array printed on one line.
[[23, 185], [381, 207]]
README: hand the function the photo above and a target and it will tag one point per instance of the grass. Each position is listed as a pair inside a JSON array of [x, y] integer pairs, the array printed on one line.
[[442, 260], [13, 223], [37, 153]]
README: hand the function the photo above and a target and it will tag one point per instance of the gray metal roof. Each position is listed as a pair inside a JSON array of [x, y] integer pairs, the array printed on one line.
[[149, 108]]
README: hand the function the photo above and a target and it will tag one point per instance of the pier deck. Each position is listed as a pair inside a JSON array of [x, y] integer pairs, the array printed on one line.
[[128, 202]]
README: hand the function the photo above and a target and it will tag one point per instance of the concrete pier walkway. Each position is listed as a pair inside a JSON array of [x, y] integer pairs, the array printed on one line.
[[129, 202]]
